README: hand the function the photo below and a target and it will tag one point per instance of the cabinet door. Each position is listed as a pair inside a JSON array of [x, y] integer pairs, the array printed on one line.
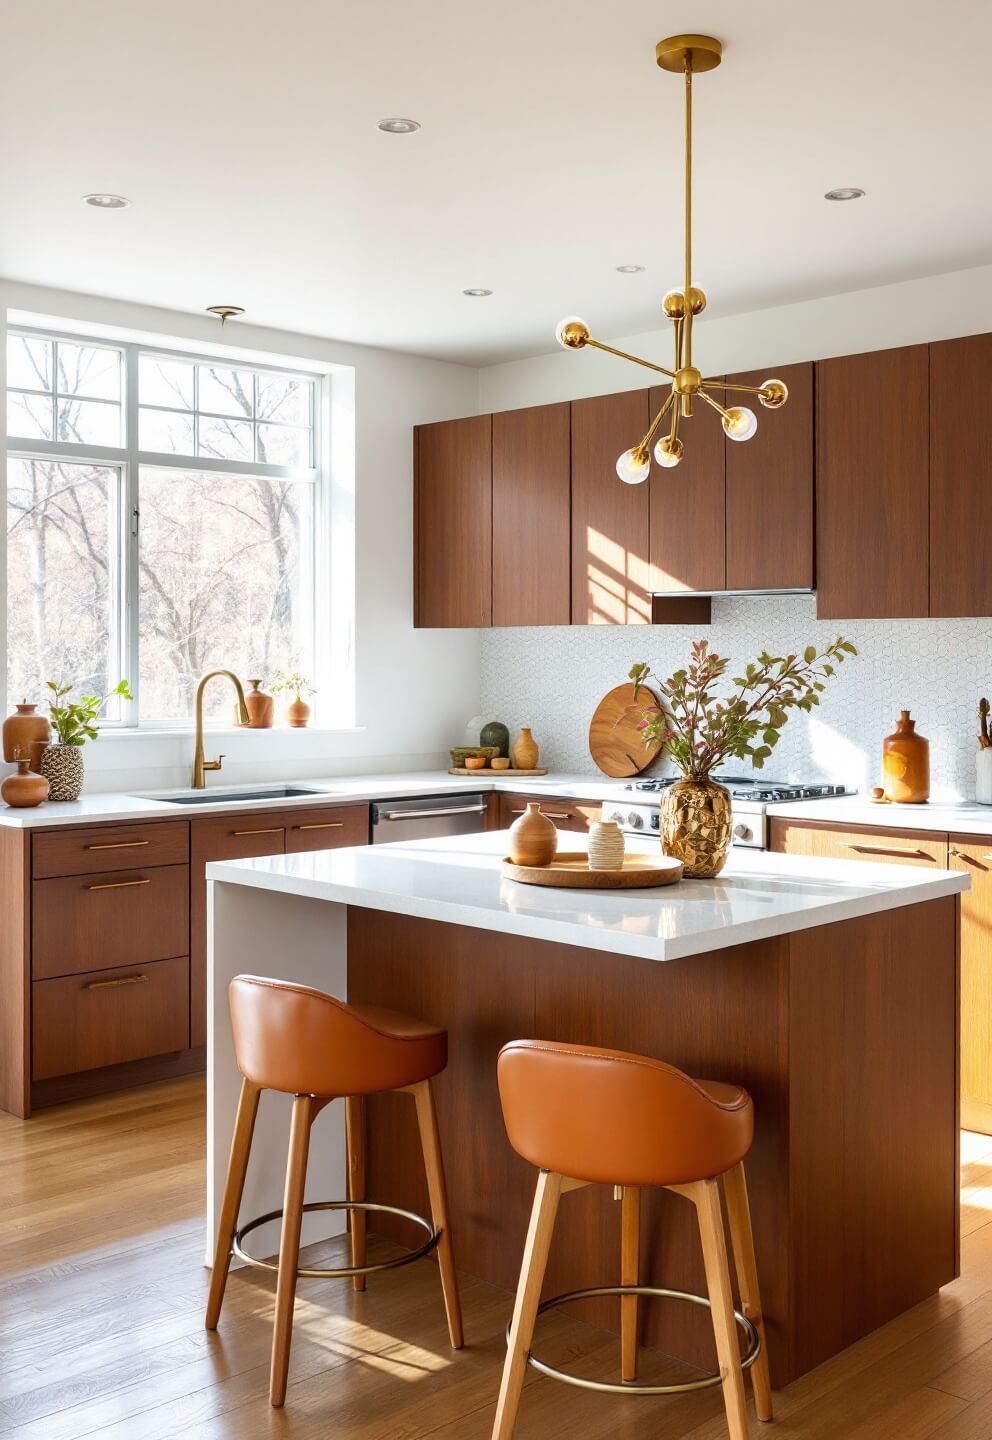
[[688, 546], [770, 488], [960, 478], [892, 847], [872, 485], [453, 523], [531, 527], [610, 566], [975, 858]]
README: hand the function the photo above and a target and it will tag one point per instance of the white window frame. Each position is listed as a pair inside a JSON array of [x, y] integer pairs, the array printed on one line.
[[128, 459]]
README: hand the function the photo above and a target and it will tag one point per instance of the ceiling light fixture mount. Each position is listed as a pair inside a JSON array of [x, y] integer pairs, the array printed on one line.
[[398, 125], [102, 200], [684, 55], [225, 312], [630, 269], [477, 292], [845, 192]]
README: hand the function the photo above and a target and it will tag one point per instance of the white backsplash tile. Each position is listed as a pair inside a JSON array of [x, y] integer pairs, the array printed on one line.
[[551, 679]]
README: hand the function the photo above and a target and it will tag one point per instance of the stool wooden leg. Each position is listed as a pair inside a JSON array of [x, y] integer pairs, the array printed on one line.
[[304, 1110], [354, 1115], [630, 1245], [709, 1211], [237, 1168], [540, 1230], [431, 1144], [742, 1240]]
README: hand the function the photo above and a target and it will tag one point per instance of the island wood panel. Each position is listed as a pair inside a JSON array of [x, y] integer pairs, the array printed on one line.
[[960, 478], [611, 578], [688, 544], [839, 842], [453, 523], [850, 1175], [532, 516], [974, 857], [770, 488], [15, 971], [872, 485]]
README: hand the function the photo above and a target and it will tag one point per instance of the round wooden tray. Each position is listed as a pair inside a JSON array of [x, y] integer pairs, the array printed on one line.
[[570, 868]]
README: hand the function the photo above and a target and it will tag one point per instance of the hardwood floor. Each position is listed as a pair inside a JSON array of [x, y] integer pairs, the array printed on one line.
[[102, 1289]]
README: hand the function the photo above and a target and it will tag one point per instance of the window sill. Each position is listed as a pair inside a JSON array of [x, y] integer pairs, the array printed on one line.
[[183, 732]]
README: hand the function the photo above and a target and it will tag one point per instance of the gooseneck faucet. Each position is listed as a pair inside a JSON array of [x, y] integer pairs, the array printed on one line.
[[200, 765]]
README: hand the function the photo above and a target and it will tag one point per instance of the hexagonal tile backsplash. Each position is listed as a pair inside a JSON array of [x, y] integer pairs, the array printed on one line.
[[551, 678]]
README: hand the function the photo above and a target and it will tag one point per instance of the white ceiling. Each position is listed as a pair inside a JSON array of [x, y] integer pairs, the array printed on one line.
[[245, 135]]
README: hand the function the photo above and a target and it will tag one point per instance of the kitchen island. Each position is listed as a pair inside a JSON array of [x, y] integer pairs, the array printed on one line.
[[829, 989]]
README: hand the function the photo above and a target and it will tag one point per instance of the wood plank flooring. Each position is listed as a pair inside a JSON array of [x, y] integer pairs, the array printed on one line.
[[102, 1288]]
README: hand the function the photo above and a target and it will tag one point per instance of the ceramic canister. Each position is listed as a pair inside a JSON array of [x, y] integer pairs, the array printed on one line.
[[606, 846], [906, 763], [533, 838]]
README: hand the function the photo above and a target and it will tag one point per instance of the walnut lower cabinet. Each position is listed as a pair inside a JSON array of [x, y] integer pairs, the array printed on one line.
[[954, 852], [566, 814]]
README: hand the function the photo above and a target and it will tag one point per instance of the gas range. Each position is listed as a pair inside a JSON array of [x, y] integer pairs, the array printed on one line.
[[750, 796]]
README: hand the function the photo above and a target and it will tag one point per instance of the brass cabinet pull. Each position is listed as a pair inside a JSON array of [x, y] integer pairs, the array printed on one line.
[[119, 845], [890, 850], [272, 830], [969, 860], [113, 984], [116, 884], [327, 825], [551, 814]]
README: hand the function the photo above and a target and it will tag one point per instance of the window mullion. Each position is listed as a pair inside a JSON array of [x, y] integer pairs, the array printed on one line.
[[130, 536]]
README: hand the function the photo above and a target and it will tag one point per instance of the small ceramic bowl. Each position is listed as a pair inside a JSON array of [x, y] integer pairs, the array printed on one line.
[[501, 762], [476, 762]]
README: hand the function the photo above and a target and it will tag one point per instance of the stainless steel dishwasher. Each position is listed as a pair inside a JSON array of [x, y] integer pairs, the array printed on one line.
[[427, 817]]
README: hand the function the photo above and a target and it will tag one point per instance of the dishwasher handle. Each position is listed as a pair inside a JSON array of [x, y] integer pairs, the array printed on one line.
[[381, 814]]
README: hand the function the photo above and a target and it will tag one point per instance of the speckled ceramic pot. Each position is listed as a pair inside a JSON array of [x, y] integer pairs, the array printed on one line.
[[62, 767], [697, 826]]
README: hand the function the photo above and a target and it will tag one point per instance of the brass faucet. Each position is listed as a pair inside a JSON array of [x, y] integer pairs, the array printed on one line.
[[200, 765]]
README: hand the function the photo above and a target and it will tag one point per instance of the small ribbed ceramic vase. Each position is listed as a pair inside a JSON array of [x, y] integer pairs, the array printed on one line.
[[62, 767], [605, 846], [697, 826], [25, 789], [533, 838]]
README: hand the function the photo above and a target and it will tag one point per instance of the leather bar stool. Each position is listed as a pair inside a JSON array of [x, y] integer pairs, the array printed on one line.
[[585, 1116], [307, 1044]]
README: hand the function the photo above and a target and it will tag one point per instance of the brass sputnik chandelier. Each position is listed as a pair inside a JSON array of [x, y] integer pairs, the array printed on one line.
[[686, 54]]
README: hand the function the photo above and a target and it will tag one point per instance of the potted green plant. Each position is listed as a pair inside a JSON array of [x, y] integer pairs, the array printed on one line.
[[292, 682], [74, 722], [700, 731]]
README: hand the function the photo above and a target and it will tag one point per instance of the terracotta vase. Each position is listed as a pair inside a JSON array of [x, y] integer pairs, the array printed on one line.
[[297, 713], [606, 846], [525, 752], [697, 826], [533, 838], [906, 763], [62, 767], [25, 789], [23, 730], [260, 708]]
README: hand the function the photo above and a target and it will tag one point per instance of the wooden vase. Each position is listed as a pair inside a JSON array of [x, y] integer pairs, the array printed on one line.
[[260, 708], [25, 789], [525, 752], [533, 838], [606, 847], [906, 763], [297, 713], [23, 730]]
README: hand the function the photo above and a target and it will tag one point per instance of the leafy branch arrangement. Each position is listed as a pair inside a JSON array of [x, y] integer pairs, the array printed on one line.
[[293, 681], [700, 731], [74, 721]]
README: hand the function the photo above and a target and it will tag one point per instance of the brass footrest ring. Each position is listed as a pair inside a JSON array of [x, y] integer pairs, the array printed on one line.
[[342, 1272], [707, 1382]]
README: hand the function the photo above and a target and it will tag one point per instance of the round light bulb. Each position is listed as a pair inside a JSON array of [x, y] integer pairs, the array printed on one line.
[[740, 423], [633, 467], [774, 394], [572, 332], [669, 452]]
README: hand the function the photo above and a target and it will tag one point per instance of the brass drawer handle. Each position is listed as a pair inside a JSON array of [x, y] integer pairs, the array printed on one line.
[[272, 830], [114, 984], [328, 825], [119, 845], [551, 814], [116, 884], [969, 860], [890, 850]]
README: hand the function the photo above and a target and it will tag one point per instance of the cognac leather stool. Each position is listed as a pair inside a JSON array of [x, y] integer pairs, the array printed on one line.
[[307, 1044], [586, 1116]]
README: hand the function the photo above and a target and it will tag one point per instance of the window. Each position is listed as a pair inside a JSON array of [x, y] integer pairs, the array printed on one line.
[[161, 517]]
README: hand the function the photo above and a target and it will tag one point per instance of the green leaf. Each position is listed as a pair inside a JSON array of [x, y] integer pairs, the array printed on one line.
[[809, 654]]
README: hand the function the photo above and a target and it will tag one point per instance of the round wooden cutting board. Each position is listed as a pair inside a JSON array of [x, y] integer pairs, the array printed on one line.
[[615, 742]]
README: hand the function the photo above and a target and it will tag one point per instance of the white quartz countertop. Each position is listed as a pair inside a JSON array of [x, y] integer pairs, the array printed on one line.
[[459, 880], [961, 818]]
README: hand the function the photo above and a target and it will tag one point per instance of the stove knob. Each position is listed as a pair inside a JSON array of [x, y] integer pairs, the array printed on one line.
[[743, 832], [655, 820], [634, 820]]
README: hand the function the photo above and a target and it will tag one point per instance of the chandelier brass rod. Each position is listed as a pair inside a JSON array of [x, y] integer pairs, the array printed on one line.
[[623, 355], [688, 207], [728, 385], [715, 403], [656, 422]]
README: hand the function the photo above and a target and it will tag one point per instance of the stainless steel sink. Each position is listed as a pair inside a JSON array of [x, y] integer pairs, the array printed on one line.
[[212, 797]]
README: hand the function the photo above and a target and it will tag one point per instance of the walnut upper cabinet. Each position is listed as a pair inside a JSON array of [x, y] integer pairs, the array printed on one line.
[[453, 523], [531, 500], [960, 477], [688, 543], [770, 488], [611, 582], [872, 485]]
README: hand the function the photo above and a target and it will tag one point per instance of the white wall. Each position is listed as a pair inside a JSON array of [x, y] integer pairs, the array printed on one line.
[[414, 688]]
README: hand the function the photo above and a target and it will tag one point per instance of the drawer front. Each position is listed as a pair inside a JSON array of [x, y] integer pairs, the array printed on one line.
[[892, 847], [238, 837], [328, 828], [82, 1022], [576, 815], [109, 847], [119, 917]]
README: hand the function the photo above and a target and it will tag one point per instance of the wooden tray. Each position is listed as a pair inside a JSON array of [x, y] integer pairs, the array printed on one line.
[[615, 743], [488, 770], [570, 868]]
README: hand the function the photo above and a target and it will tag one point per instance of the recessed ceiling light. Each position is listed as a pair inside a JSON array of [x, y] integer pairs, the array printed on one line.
[[107, 202], [630, 269], [396, 125], [477, 291], [844, 192], [225, 312]]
